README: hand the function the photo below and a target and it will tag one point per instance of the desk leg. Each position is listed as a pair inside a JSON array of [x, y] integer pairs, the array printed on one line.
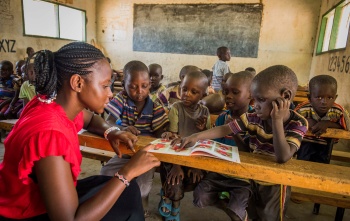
[[330, 143], [339, 215]]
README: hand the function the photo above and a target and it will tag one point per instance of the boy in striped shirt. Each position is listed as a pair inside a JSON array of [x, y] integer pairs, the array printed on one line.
[[133, 110], [321, 112], [273, 130]]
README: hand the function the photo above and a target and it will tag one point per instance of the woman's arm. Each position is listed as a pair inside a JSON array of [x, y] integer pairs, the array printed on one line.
[[97, 125], [59, 194]]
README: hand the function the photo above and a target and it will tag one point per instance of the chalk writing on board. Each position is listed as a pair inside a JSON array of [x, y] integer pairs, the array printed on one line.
[[7, 45], [197, 28], [339, 63]]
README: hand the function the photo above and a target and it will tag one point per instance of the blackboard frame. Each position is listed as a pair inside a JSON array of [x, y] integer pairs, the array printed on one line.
[[197, 28]]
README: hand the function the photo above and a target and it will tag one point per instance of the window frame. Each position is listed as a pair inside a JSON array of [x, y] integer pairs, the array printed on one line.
[[334, 30], [57, 21]]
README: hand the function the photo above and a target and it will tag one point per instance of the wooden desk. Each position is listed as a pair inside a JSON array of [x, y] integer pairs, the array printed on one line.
[[309, 175]]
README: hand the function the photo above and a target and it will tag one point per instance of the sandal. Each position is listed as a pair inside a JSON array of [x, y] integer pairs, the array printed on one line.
[[162, 204], [174, 217]]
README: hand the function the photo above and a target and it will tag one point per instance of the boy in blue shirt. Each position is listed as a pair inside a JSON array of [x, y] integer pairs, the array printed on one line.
[[133, 110]]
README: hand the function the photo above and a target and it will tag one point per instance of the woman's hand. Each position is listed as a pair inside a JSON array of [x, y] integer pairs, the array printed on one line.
[[175, 175], [139, 163], [132, 130], [114, 137]]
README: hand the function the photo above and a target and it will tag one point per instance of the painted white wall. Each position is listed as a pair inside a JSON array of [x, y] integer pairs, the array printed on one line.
[[11, 28], [321, 62], [287, 37]]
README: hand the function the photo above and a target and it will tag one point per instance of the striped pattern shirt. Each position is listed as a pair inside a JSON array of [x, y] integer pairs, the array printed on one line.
[[152, 117], [261, 140], [336, 114]]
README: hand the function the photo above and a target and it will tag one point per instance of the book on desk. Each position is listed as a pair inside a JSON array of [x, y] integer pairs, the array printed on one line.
[[208, 148]]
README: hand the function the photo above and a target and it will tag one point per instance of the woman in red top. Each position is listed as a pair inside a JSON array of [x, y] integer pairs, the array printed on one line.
[[38, 176]]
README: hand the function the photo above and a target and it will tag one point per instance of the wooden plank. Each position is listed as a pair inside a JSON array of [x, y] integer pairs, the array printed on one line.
[[322, 177], [334, 133], [320, 197], [7, 125], [341, 156], [301, 94], [300, 99], [96, 154]]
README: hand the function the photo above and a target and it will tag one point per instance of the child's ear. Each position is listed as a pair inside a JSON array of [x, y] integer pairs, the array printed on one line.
[[335, 97], [123, 84], [161, 78], [309, 96], [287, 94]]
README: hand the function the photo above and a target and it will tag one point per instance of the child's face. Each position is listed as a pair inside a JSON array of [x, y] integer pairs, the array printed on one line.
[[263, 97], [226, 56], [192, 91], [137, 86], [5, 70], [155, 76], [97, 85], [18, 68], [322, 98], [237, 94]]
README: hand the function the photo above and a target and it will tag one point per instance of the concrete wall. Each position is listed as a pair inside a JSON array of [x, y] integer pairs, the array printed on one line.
[[11, 28], [287, 37], [320, 63]]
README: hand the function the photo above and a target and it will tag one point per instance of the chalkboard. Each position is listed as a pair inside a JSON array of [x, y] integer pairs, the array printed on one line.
[[197, 28]]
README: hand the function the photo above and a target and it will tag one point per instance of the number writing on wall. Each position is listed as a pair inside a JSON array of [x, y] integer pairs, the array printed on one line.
[[339, 63], [7, 45]]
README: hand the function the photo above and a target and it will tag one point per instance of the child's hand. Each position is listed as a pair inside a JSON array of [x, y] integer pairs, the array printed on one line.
[[169, 135], [280, 109], [196, 173], [201, 122], [115, 136], [184, 142], [320, 127], [311, 122], [175, 175], [228, 119], [132, 130]]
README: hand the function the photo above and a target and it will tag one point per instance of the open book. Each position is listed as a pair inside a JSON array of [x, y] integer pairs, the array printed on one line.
[[207, 148]]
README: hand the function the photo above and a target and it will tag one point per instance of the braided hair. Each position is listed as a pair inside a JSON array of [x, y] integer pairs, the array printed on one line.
[[53, 68]]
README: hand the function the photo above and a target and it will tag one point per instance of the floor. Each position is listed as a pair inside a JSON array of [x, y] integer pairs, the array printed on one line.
[[302, 211]]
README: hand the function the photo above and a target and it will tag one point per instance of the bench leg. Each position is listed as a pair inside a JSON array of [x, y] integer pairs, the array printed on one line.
[[339, 214], [316, 209]]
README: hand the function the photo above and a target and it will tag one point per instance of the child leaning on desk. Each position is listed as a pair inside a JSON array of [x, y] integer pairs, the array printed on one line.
[[133, 110], [321, 112], [274, 130], [186, 117]]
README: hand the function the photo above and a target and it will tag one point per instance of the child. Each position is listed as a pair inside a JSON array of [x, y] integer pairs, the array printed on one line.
[[273, 129], [18, 67], [321, 112], [41, 165], [186, 117], [6, 86], [133, 110], [30, 52], [27, 91], [172, 94], [237, 97], [209, 75], [220, 68], [156, 75]]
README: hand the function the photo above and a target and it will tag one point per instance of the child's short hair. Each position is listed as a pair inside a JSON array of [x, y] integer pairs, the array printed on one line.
[[156, 66], [187, 69], [6, 62], [279, 77], [221, 50], [244, 75], [208, 73], [251, 70], [322, 80], [134, 66], [198, 75]]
